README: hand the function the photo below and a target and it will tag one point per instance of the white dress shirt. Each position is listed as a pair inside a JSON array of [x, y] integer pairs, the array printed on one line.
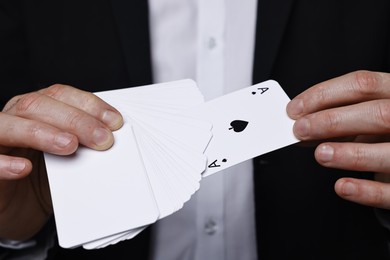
[[212, 42]]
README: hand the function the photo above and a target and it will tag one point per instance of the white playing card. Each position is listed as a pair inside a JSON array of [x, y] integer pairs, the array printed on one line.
[[98, 194], [246, 123], [111, 240]]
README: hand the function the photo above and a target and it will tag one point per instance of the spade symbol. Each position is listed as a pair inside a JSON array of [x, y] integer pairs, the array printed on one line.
[[238, 125]]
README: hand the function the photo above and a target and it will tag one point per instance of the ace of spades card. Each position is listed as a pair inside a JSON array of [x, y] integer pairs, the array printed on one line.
[[246, 123]]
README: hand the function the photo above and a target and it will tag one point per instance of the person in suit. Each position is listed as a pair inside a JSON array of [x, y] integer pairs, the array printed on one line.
[[98, 45]]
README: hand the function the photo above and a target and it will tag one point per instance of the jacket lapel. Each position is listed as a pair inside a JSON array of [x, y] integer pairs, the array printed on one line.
[[132, 19], [272, 17]]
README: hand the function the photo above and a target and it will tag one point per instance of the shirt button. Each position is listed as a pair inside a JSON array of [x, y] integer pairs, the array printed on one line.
[[211, 43], [210, 227], [263, 162]]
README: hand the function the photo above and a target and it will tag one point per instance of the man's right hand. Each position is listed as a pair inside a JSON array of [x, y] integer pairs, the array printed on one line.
[[54, 120]]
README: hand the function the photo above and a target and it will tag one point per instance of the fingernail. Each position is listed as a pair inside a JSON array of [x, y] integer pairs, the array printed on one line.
[[348, 188], [302, 127], [101, 137], [112, 119], [63, 139], [325, 153], [17, 166], [295, 107]]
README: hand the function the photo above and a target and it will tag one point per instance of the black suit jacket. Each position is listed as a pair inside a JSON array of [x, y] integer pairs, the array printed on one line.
[[102, 44]]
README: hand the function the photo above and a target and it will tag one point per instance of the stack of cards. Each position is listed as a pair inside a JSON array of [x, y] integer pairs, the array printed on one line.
[[170, 140]]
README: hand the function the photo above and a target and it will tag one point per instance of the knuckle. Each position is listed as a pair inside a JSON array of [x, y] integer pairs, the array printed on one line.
[[26, 103], [383, 114], [11, 103], [377, 196], [80, 123], [54, 90], [74, 120], [333, 120], [34, 132], [366, 82], [360, 157], [69, 94], [320, 97]]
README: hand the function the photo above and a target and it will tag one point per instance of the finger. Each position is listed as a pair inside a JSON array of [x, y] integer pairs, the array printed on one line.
[[347, 89], [13, 168], [87, 102], [355, 156], [20, 132], [365, 192], [80, 99], [372, 117], [89, 130]]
